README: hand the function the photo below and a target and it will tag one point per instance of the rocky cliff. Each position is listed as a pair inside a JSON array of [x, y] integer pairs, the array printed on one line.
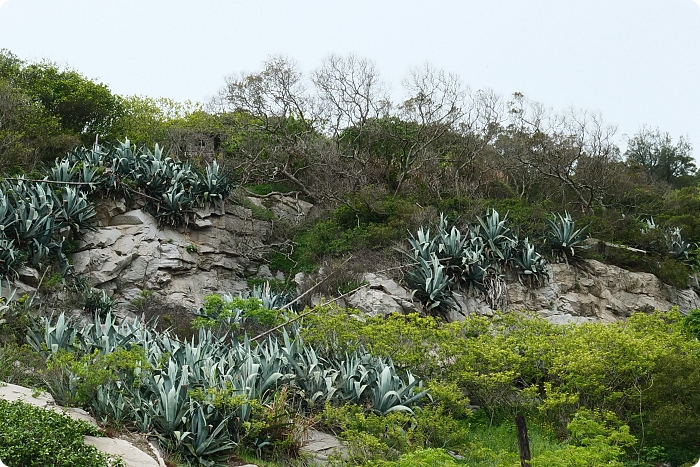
[[129, 254]]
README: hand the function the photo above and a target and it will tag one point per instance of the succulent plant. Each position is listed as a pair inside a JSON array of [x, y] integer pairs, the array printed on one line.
[[429, 283], [64, 171], [75, 211], [531, 265], [678, 248], [270, 299], [391, 394], [50, 337], [495, 233], [10, 259], [563, 236], [5, 304]]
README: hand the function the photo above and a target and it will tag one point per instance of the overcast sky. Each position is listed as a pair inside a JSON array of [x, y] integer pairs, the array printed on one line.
[[637, 62]]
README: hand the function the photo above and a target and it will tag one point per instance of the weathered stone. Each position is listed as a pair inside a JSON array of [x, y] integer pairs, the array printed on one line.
[[134, 217], [319, 446], [100, 238], [109, 208], [29, 276], [130, 454], [593, 291], [381, 296], [284, 207], [202, 223], [101, 265], [125, 244]]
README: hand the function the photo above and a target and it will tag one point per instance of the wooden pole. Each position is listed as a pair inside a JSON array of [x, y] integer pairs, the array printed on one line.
[[523, 441]]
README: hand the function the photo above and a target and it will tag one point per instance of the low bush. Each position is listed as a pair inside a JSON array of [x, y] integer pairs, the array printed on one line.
[[36, 437]]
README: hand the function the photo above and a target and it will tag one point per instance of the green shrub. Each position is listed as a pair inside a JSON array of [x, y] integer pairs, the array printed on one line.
[[673, 273], [75, 380], [420, 458], [22, 365], [36, 437], [691, 323], [597, 438]]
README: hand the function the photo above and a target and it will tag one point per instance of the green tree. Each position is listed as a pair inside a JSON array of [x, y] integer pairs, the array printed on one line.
[[660, 157], [27, 133], [83, 107]]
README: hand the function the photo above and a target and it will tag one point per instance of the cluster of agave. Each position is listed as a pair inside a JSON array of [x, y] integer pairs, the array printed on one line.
[[172, 189], [201, 398], [474, 260], [677, 247], [35, 219]]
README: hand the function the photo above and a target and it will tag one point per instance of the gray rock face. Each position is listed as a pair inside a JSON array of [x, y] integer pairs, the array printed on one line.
[[131, 253], [130, 454], [381, 296], [226, 245], [319, 446], [591, 291]]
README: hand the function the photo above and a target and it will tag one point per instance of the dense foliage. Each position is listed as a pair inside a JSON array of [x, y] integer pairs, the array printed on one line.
[[405, 390], [35, 437], [37, 216]]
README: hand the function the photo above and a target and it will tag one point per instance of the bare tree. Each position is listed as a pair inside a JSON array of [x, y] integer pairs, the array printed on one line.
[[351, 92], [574, 149], [275, 106], [436, 105]]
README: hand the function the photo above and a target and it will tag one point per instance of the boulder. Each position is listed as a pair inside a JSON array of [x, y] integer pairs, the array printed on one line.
[[381, 296]]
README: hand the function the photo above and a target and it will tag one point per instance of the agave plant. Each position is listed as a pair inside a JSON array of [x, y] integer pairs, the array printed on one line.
[[678, 248], [104, 336], [268, 298], [111, 403], [354, 376], [64, 171], [10, 259], [203, 442], [471, 272], [213, 185], [8, 214], [531, 265], [451, 247], [174, 208], [431, 285], [313, 376], [34, 211], [52, 337], [564, 237], [170, 403], [75, 210], [425, 246], [5, 304], [391, 394], [495, 234]]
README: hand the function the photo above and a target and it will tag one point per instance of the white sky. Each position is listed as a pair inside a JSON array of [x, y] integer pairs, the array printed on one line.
[[635, 61]]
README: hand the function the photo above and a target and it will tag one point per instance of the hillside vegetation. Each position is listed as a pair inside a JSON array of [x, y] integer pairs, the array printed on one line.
[[468, 185]]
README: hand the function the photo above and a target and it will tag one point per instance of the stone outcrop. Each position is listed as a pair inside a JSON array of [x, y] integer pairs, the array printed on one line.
[[589, 291], [381, 296], [131, 253], [224, 247]]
